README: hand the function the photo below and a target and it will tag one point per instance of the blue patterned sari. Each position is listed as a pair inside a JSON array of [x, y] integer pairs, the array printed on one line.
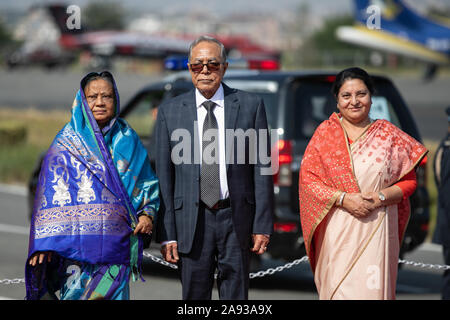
[[93, 185]]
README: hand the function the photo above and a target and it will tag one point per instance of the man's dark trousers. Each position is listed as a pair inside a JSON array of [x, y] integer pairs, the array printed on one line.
[[216, 234]]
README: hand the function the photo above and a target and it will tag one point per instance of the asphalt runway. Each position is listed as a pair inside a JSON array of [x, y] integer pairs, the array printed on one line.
[[427, 102], [56, 89], [47, 90], [162, 283]]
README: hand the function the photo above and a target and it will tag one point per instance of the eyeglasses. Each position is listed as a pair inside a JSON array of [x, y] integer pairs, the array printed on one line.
[[211, 65]]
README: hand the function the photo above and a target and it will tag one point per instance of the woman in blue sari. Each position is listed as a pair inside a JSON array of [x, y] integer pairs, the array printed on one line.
[[97, 196]]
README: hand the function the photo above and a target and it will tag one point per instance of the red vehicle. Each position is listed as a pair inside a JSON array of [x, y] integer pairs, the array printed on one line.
[[65, 43]]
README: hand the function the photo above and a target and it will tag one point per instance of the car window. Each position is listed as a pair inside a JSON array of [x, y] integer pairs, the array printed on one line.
[[142, 117], [308, 104], [311, 102], [267, 90], [382, 109]]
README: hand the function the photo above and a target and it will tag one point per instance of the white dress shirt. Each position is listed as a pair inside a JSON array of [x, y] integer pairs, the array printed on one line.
[[219, 113]]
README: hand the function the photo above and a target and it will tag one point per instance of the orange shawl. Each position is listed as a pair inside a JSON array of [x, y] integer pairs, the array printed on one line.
[[327, 170]]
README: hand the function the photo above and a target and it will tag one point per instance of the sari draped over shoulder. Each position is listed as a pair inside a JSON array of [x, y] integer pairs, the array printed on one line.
[[92, 186], [354, 258]]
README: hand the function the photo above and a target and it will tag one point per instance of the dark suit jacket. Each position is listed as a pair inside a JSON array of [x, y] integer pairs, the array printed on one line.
[[251, 194]]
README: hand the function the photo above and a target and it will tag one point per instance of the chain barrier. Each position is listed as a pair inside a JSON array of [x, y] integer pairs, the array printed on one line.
[[271, 271], [160, 261], [258, 274], [424, 265], [12, 281], [262, 273]]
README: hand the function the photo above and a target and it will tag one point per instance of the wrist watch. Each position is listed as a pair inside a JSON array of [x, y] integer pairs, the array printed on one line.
[[381, 196]]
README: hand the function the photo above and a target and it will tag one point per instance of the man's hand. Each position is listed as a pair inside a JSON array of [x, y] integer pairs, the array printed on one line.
[[144, 225], [169, 252], [260, 242]]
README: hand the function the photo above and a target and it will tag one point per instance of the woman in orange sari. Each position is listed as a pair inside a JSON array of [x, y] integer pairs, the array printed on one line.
[[355, 180]]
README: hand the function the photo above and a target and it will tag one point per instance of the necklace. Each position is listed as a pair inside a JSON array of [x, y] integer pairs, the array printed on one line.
[[354, 132]]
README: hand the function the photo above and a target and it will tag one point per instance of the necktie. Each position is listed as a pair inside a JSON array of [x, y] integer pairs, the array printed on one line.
[[209, 174]]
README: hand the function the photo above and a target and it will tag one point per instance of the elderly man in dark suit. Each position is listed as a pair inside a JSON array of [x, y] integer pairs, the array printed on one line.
[[216, 203]]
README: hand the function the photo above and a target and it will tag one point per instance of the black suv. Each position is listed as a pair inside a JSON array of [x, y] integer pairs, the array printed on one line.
[[296, 103]]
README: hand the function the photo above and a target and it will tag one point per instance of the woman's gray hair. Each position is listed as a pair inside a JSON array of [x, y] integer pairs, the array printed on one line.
[[223, 53]]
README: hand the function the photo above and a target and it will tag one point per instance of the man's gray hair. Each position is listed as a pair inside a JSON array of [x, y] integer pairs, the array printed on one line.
[[223, 53]]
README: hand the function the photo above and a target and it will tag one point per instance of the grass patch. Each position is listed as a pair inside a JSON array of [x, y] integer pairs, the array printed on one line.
[[18, 158], [17, 163]]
